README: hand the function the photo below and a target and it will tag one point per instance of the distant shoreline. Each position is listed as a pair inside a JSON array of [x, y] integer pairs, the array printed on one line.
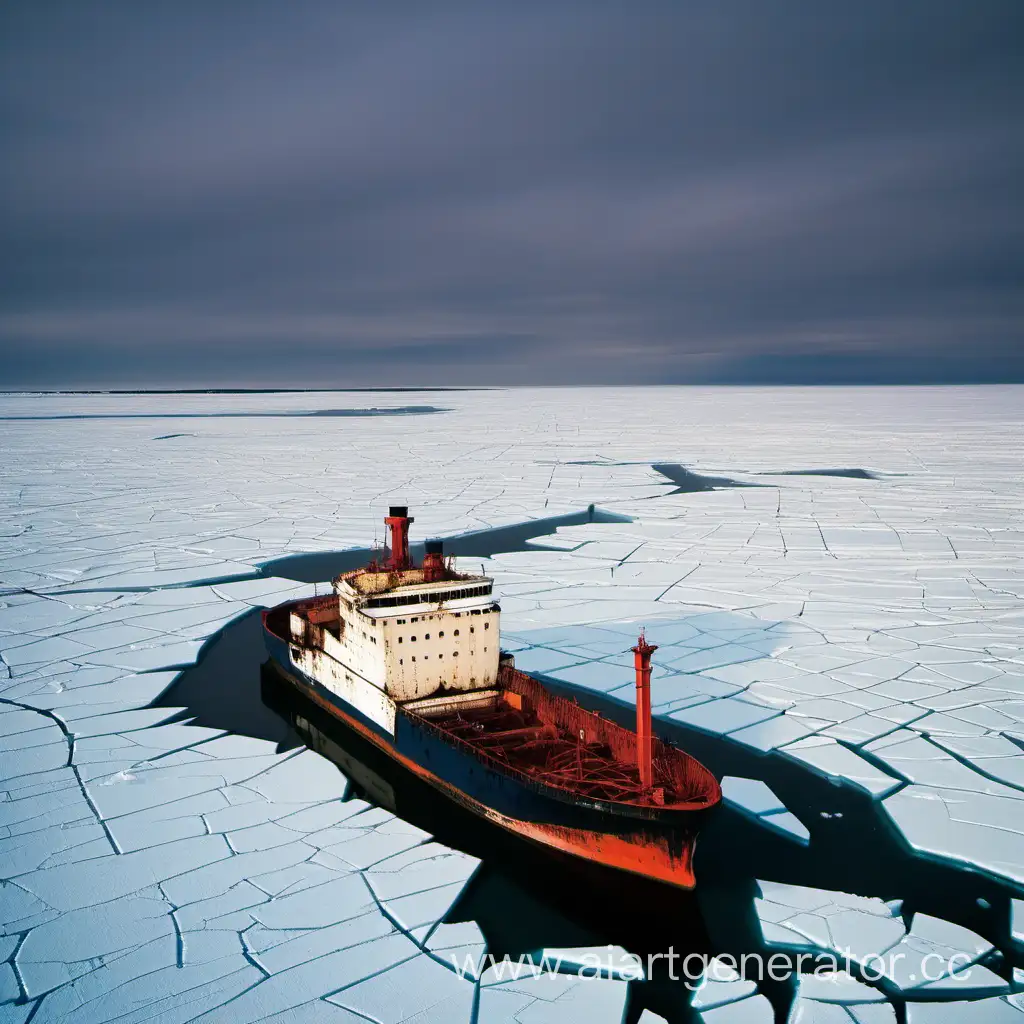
[[701, 385], [221, 391]]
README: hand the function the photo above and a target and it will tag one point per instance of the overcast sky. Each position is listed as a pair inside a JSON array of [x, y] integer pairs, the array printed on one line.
[[314, 193]]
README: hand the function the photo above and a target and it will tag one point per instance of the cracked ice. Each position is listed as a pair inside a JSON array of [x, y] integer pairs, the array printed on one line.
[[859, 625]]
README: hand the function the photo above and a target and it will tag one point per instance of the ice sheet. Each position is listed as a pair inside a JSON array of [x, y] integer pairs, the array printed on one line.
[[863, 629]]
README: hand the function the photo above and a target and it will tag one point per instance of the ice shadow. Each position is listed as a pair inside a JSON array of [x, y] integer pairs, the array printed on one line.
[[849, 474], [314, 567], [689, 482], [222, 689]]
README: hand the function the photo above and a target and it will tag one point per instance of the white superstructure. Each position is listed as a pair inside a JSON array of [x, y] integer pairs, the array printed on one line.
[[390, 635]]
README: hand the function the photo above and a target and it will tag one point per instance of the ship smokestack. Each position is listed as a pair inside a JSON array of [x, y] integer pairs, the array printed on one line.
[[397, 521], [433, 561], [642, 661]]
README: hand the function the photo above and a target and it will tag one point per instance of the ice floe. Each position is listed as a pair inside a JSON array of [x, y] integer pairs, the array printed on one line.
[[757, 800]]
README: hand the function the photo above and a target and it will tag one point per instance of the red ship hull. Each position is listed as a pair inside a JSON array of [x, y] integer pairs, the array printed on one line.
[[519, 765]]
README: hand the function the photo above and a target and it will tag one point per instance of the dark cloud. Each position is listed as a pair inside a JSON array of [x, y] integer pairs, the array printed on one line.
[[323, 193]]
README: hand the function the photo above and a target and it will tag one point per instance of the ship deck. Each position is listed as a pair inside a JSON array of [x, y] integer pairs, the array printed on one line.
[[556, 743], [521, 740]]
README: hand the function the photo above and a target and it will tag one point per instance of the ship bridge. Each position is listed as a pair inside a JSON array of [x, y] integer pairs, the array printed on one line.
[[379, 593], [410, 630]]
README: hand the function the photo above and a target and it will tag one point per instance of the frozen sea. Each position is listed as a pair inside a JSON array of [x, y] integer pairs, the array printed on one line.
[[835, 580]]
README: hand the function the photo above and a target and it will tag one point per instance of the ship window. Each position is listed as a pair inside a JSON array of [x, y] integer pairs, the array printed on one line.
[[414, 620], [441, 655], [455, 654], [487, 625], [426, 636], [414, 657], [485, 650], [401, 661], [441, 633], [472, 629], [400, 639], [456, 632]]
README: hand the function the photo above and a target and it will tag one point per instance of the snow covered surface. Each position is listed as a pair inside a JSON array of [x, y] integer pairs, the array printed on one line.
[[865, 627]]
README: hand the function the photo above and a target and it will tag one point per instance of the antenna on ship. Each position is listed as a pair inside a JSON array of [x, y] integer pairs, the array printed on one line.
[[642, 662]]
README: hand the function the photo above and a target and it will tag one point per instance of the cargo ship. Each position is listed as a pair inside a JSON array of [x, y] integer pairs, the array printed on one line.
[[409, 657]]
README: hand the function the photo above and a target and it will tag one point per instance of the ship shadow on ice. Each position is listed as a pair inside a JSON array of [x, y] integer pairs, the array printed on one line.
[[317, 566], [852, 846], [525, 899], [854, 473], [687, 481], [220, 691]]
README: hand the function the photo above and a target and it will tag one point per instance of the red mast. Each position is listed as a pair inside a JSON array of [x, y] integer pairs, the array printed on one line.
[[397, 521], [642, 660]]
